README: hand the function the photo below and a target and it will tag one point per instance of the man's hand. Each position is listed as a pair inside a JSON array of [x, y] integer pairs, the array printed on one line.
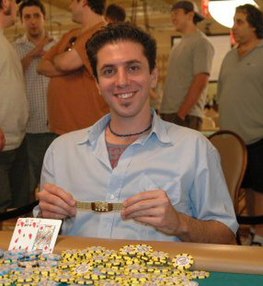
[[152, 208], [56, 203], [2, 139], [38, 51]]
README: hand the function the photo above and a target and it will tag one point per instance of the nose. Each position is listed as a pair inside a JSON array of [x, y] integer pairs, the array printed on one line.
[[122, 78]]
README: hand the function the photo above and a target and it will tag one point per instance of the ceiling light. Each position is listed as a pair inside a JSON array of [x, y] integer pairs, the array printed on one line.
[[223, 11]]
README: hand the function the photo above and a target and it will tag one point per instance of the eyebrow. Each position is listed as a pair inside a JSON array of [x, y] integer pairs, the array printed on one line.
[[124, 63]]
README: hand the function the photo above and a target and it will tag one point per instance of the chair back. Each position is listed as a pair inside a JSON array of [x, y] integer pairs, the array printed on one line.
[[233, 153]]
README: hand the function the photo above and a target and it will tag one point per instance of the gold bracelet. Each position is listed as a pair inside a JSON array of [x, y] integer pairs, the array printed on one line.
[[99, 206]]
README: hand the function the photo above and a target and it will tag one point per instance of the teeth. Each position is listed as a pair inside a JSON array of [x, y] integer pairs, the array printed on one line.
[[125, 95]]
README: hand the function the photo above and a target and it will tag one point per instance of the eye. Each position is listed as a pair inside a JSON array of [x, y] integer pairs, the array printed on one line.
[[108, 71], [133, 68]]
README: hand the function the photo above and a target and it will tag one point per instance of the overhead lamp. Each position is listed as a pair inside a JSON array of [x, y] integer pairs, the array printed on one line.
[[223, 11]]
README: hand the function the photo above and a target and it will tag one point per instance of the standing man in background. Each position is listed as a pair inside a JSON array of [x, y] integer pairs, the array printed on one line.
[[188, 70], [14, 190], [30, 48], [73, 98], [240, 93]]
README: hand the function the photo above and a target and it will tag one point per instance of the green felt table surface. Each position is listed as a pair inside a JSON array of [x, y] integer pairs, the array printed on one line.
[[232, 279]]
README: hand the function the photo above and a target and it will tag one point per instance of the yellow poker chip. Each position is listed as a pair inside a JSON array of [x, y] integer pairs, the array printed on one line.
[[200, 274], [183, 261], [129, 250], [5, 282]]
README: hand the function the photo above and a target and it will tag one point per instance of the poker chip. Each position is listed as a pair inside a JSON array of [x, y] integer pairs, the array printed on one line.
[[128, 250], [200, 274], [5, 282], [131, 265], [183, 261]]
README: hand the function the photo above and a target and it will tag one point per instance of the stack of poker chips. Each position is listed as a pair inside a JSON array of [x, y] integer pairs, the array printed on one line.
[[137, 264]]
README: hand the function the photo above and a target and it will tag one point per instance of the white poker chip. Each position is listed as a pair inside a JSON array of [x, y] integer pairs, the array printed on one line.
[[183, 261]]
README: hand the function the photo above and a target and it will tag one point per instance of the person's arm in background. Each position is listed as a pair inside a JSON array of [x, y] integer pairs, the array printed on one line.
[[67, 61], [2, 139], [38, 51], [199, 83], [51, 64]]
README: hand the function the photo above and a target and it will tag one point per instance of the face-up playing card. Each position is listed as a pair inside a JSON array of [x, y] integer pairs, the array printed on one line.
[[35, 233], [24, 234], [47, 235]]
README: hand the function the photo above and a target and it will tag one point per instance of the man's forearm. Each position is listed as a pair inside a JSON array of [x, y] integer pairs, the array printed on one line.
[[47, 68], [194, 230], [199, 83]]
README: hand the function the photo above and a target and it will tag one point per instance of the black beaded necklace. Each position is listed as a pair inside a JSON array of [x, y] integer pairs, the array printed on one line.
[[131, 134]]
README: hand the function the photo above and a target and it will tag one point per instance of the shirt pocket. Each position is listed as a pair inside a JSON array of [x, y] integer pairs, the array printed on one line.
[[171, 187]]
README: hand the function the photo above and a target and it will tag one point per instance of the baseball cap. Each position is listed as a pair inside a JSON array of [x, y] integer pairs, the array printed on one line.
[[189, 7]]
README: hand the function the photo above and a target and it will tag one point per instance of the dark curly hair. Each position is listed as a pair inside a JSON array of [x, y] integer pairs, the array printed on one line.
[[254, 17], [117, 33], [97, 6], [29, 3]]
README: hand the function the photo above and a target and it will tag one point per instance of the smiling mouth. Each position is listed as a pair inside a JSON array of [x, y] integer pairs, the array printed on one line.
[[125, 95]]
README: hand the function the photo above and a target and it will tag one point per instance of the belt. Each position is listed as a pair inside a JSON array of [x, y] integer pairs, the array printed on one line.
[[99, 206]]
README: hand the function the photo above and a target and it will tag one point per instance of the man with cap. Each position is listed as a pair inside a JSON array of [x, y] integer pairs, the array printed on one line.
[[13, 118], [188, 69]]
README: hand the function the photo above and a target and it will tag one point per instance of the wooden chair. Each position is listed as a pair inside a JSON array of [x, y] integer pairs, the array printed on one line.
[[233, 153]]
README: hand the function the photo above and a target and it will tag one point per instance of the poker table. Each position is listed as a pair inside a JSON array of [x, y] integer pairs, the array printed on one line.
[[229, 265]]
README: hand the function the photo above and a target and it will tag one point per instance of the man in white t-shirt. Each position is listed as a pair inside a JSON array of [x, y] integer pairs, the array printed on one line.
[[13, 118]]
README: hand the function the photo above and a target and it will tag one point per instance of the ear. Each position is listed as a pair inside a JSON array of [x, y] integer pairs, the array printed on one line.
[[97, 85], [191, 15], [154, 77]]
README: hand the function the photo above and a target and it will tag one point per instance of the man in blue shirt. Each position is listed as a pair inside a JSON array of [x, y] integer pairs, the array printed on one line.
[[132, 175]]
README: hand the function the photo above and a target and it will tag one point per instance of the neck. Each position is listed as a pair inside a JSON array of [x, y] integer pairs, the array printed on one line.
[[37, 38], [190, 29], [90, 21], [245, 48], [138, 133], [127, 131]]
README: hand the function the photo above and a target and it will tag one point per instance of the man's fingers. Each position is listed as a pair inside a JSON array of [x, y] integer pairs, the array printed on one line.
[[60, 193]]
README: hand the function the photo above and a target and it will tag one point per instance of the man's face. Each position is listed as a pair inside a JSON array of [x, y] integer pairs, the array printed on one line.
[[124, 78], [243, 32], [76, 7], [10, 9], [33, 20], [180, 19]]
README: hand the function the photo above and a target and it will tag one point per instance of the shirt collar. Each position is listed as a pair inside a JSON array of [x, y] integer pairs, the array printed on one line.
[[23, 39]]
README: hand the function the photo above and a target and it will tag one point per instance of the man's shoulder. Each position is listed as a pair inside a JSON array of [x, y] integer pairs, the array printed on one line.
[[175, 132], [70, 138]]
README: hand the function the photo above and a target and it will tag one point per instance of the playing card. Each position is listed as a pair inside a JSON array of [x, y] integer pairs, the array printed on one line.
[[35, 233], [24, 234], [47, 235]]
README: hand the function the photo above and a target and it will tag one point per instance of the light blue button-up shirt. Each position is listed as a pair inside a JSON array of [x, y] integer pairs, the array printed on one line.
[[176, 159]]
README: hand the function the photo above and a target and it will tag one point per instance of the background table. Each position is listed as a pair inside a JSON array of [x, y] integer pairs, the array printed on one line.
[[230, 265]]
